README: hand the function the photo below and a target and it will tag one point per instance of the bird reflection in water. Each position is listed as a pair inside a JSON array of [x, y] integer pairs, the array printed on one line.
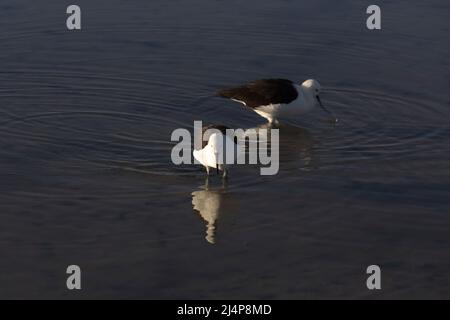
[[296, 146], [212, 202], [209, 203]]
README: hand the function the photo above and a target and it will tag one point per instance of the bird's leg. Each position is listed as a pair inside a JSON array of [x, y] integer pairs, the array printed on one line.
[[207, 183], [207, 170], [225, 172], [224, 184], [273, 122]]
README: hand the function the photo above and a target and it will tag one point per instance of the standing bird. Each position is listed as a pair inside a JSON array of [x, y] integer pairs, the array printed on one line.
[[214, 152], [277, 98]]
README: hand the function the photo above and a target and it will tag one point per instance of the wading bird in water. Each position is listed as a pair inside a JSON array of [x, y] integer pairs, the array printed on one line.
[[277, 98], [214, 151]]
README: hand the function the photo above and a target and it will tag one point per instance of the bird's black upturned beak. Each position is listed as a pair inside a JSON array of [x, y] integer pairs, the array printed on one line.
[[325, 109], [321, 105]]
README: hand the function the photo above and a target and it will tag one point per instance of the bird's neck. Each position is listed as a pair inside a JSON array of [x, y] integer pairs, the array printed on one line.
[[307, 93]]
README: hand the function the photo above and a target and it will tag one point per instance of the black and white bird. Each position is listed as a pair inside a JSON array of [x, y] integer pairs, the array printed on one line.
[[277, 98]]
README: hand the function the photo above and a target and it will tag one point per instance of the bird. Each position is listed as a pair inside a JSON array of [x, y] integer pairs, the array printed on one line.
[[277, 98], [213, 153]]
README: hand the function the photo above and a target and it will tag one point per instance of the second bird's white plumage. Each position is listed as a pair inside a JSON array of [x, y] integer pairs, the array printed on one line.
[[214, 154]]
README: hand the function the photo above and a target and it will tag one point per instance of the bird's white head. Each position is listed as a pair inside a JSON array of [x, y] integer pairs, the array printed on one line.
[[312, 89], [312, 86]]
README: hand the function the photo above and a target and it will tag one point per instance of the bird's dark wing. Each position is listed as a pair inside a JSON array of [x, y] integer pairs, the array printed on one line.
[[262, 92]]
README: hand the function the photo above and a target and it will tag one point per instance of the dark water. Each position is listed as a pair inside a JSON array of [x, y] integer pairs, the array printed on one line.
[[85, 171]]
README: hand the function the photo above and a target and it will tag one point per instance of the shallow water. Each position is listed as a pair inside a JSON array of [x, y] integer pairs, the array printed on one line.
[[86, 176]]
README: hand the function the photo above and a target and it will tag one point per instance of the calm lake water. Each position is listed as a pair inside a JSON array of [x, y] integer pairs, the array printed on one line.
[[86, 176]]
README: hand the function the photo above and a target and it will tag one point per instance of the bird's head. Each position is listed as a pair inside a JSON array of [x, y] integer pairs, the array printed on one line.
[[313, 87]]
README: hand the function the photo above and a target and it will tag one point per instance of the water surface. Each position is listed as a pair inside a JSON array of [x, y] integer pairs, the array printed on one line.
[[86, 176]]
